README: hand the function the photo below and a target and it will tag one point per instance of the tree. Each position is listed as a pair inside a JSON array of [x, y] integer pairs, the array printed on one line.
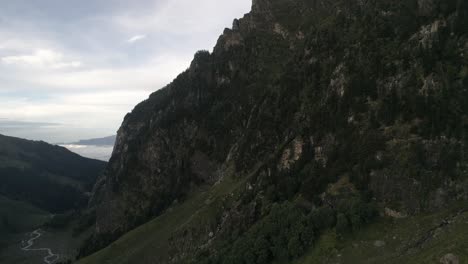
[[295, 247], [342, 224], [262, 251], [323, 218], [5, 223]]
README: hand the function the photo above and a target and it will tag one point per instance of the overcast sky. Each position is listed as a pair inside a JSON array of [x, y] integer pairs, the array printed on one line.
[[72, 69]]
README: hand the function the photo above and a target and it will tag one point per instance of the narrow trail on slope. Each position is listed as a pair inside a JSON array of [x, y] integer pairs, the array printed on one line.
[[50, 258]]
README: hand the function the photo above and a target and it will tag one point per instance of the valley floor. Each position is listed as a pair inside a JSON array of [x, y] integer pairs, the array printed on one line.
[[61, 243], [20, 223]]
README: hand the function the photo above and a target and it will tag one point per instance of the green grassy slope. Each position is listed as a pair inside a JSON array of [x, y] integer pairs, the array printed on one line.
[[151, 240], [420, 239]]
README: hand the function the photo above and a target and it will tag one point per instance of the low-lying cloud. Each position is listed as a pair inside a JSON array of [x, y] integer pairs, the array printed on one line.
[[11, 124]]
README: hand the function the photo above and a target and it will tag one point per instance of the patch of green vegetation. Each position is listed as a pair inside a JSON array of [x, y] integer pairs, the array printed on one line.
[[6, 162], [324, 247], [17, 216], [418, 239]]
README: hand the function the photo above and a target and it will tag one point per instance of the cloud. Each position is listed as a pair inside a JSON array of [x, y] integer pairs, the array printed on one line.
[[136, 38], [11, 124], [184, 16], [149, 76], [73, 109], [76, 63], [42, 58]]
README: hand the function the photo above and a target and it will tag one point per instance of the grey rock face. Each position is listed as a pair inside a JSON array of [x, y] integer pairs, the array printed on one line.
[[450, 259], [379, 243]]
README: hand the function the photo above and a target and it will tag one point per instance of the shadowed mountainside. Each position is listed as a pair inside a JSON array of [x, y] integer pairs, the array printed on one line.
[[307, 116], [47, 176]]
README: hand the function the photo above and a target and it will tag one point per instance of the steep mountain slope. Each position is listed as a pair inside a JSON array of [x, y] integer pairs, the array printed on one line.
[[50, 177], [307, 116], [415, 239]]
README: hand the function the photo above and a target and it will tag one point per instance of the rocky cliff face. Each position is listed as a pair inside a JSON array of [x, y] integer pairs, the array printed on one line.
[[305, 94]]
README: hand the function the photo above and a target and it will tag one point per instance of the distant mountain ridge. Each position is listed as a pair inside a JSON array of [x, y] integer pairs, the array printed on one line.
[[105, 141]]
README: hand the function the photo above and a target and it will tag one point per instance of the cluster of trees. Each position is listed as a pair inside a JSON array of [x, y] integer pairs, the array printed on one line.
[[384, 75], [44, 192], [288, 231], [6, 225]]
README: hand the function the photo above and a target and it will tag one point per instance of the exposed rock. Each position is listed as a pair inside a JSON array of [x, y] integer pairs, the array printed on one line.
[[320, 156], [450, 259], [323, 149], [233, 40], [300, 35], [342, 186], [235, 25], [430, 84], [339, 80], [291, 154], [429, 35], [394, 214], [379, 243], [278, 29]]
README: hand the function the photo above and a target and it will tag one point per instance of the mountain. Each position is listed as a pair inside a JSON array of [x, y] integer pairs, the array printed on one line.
[[312, 121], [105, 141], [46, 176]]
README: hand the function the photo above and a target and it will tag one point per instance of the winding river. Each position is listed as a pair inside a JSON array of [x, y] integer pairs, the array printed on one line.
[[50, 258]]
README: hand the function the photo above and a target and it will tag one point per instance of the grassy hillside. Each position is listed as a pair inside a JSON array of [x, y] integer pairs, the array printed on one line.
[[17, 216], [50, 177], [417, 239], [420, 239], [151, 241]]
